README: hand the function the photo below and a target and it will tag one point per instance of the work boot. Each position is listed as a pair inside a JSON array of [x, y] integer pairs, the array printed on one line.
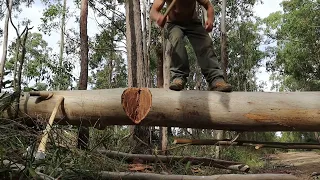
[[220, 85], [177, 84]]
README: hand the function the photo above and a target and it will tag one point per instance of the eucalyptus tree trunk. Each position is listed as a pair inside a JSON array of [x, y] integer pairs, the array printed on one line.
[[224, 60], [20, 68], [62, 43], [145, 43], [21, 60], [138, 69], [83, 138], [224, 57], [5, 43], [219, 133], [167, 48]]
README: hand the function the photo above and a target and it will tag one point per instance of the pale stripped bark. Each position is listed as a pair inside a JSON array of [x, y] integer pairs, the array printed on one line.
[[62, 41], [237, 111], [5, 43], [218, 133]]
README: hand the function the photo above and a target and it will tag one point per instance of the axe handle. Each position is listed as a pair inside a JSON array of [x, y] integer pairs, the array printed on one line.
[[170, 7], [43, 143]]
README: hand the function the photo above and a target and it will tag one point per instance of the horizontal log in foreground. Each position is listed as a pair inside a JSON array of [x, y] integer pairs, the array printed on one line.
[[247, 111], [217, 163], [255, 144], [152, 176]]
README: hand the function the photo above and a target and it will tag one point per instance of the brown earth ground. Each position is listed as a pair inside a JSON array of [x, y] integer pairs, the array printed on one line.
[[303, 164]]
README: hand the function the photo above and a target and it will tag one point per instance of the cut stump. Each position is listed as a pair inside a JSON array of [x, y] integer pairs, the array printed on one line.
[[136, 103]]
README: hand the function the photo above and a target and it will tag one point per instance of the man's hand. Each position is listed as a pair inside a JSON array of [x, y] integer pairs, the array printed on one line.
[[209, 25], [210, 14], [155, 12], [161, 21]]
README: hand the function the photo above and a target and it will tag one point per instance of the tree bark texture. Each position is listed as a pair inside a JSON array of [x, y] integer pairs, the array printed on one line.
[[84, 45], [137, 67], [243, 111], [166, 61], [142, 68], [160, 56], [20, 68], [131, 45], [83, 138], [182, 159]]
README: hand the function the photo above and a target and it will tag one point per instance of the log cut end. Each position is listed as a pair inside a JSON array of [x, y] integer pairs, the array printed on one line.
[[136, 102]]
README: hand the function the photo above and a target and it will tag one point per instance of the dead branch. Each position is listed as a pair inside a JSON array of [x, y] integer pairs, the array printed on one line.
[[255, 144], [169, 159]]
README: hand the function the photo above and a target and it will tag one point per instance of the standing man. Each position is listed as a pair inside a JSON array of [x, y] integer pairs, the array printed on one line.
[[182, 21]]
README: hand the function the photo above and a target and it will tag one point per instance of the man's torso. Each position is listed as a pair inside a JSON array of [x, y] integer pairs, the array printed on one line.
[[182, 11]]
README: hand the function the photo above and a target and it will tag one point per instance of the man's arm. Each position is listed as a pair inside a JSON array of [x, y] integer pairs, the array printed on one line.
[[209, 7], [155, 9], [210, 14]]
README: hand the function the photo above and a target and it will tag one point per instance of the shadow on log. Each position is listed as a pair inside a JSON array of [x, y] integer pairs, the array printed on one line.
[[237, 166], [255, 144]]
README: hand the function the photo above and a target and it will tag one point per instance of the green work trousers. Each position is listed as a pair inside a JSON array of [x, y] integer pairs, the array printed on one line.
[[202, 45]]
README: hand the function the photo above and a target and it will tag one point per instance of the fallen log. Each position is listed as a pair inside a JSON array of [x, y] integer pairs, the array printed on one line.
[[152, 176], [238, 111], [255, 144], [182, 159]]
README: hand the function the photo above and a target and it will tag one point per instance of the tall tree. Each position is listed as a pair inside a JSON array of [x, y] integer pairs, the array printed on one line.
[[5, 42], [62, 41], [39, 65], [294, 61], [224, 57], [83, 138], [137, 69]]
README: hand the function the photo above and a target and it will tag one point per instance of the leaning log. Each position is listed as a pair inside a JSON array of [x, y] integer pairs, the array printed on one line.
[[238, 111], [217, 163], [255, 144], [152, 176]]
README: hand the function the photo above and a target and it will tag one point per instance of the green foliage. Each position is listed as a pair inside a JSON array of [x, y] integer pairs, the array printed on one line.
[[50, 19], [298, 137], [107, 62], [106, 59], [243, 42], [51, 16], [40, 65], [295, 58], [248, 156]]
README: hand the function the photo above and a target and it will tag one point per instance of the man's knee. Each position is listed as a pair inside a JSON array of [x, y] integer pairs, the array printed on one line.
[[175, 37], [205, 47]]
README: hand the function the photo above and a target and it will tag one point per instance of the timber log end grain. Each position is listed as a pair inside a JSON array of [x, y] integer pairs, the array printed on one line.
[[136, 103]]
